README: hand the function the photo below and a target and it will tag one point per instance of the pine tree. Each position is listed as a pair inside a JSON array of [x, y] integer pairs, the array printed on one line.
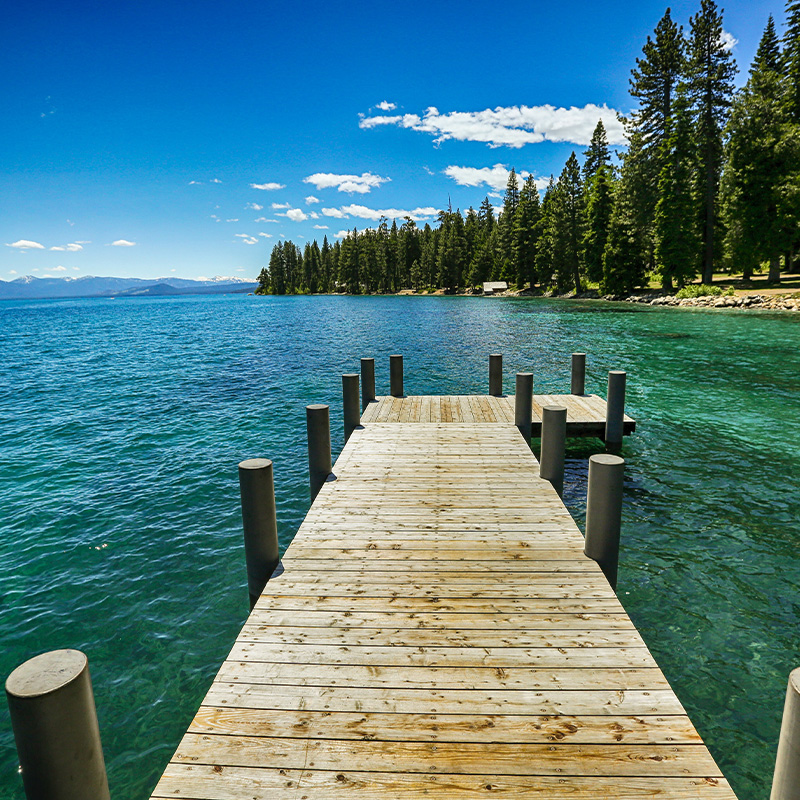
[[506, 221], [526, 234], [599, 205], [573, 221], [710, 87], [676, 241], [761, 165], [597, 155], [790, 59]]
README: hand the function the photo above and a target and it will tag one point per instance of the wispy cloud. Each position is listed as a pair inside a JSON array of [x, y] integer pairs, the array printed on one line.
[[358, 184], [268, 187], [12, 272], [266, 235], [254, 207], [73, 247], [59, 268], [233, 219], [195, 183], [374, 214], [246, 238], [281, 205], [123, 243], [728, 41], [26, 244], [321, 227], [495, 177], [510, 126], [215, 180], [310, 200], [264, 219], [385, 105]]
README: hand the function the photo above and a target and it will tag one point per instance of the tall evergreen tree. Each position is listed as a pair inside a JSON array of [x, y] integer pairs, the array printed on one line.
[[573, 221], [597, 155], [526, 234], [599, 205], [790, 59], [710, 87]]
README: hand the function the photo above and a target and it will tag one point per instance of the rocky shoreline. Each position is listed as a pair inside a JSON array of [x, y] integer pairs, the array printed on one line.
[[760, 302]]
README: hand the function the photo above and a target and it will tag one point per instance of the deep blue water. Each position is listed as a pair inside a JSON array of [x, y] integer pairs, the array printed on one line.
[[122, 422]]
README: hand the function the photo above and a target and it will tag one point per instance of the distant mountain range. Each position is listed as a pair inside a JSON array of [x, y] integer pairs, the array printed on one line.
[[30, 288]]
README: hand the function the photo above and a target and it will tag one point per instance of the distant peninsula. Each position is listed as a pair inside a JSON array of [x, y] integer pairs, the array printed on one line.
[[32, 288]]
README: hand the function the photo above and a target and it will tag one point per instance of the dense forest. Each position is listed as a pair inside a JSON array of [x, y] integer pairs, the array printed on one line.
[[710, 181]]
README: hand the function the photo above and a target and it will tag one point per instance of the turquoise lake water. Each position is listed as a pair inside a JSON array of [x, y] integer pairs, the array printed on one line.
[[122, 422]]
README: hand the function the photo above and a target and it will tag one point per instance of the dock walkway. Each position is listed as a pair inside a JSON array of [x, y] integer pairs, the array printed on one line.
[[437, 631]]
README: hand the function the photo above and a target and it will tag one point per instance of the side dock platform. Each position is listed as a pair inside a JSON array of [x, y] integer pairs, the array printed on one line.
[[438, 632]]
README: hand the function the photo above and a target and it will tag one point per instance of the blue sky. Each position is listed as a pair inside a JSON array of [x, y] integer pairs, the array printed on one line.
[[185, 139]]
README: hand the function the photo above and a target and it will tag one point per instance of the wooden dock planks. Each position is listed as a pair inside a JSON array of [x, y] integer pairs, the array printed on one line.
[[438, 632], [586, 414]]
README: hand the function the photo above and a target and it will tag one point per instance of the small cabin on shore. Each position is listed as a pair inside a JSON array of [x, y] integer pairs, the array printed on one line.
[[494, 287]]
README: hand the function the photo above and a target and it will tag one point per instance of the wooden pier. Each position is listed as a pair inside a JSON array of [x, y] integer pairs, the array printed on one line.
[[437, 631]]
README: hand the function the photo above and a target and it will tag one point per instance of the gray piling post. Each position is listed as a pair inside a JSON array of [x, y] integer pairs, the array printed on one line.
[[615, 407], [319, 447], [786, 781], [55, 727], [352, 416], [578, 373], [604, 513], [554, 438], [523, 404], [367, 381], [257, 488], [496, 374], [396, 376]]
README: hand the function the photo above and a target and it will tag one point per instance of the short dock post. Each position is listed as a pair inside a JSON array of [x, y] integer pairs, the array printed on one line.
[[55, 727], [352, 416], [367, 381], [496, 374], [319, 447], [786, 781], [396, 376], [257, 488], [578, 373], [604, 513], [523, 404], [554, 437], [615, 407]]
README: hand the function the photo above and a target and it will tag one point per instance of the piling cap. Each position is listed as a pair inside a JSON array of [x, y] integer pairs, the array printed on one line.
[[316, 407], [607, 459], [255, 463], [46, 673], [557, 409]]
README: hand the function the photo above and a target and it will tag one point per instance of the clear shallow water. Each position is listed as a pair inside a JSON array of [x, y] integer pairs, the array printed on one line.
[[122, 422]]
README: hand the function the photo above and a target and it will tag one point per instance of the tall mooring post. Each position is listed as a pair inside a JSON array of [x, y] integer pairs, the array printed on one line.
[[615, 408], [367, 381], [578, 383], [786, 781], [318, 426], [350, 412], [257, 489], [396, 376], [496, 374], [604, 513], [55, 727], [523, 404], [554, 438]]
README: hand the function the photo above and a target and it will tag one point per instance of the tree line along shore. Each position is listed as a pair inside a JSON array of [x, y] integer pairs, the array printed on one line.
[[709, 182]]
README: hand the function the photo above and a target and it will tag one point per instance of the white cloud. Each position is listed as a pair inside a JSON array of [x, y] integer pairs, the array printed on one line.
[[495, 177], [386, 106], [254, 207], [76, 269], [510, 126], [296, 215], [215, 180], [26, 244], [12, 272], [316, 227], [360, 184], [313, 215], [246, 238], [334, 212], [195, 183], [281, 205], [234, 219], [728, 40], [376, 213], [264, 219], [311, 199], [123, 243], [268, 187], [266, 235], [342, 234], [59, 268], [73, 247]]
